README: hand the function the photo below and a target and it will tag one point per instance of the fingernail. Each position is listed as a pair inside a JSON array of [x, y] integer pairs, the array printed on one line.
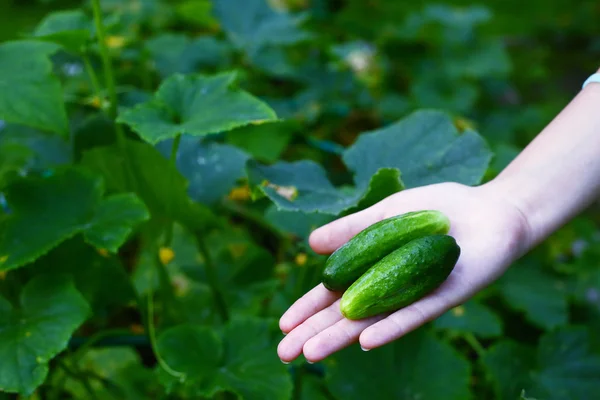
[[285, 362], [283, 333], [363, 349], [310, 362]]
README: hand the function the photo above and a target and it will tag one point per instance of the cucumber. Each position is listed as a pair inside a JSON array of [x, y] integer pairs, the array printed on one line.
[[402, 277], [352, 259]]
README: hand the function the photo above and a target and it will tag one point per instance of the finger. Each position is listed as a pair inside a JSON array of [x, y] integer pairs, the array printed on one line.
[[291, 346], [329, 237], [406, 320], [336, 337], [309, 304]]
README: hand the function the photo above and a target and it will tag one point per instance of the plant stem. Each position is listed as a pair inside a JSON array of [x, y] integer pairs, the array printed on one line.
[[153, 343], [110, 83], [80, 377], [211, 274], [173, 161], [474, 343], [92, 75]]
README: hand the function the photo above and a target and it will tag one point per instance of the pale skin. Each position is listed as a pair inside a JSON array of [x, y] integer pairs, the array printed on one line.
[[551, 181]]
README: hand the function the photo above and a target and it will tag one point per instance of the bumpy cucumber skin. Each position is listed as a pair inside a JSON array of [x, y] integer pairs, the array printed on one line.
[[402, 277], [369, 246]]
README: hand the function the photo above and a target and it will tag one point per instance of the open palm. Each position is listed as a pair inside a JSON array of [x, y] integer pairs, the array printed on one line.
[[489, 229]]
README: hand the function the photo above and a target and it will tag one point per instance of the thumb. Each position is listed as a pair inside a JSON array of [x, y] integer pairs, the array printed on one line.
[[328, 238]]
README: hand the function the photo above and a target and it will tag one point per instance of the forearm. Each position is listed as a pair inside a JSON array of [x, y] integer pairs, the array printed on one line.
[[558, 173]]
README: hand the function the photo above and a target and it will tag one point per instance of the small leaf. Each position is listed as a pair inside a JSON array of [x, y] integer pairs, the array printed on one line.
[[29, 93], [195, 105], [70, 29], [252, 24], [417, 366], [426, 147], [120, 367], [184, 346], [50, 309], [471, 317], [114, 220]]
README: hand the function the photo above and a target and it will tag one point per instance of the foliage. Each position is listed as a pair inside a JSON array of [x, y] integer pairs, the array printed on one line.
[[162, 164]]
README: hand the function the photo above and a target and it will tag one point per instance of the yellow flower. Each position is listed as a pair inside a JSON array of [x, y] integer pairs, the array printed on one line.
[[458, 311], [301, 259], [166, 255], [240, 193], [103, 252], [115, 42]]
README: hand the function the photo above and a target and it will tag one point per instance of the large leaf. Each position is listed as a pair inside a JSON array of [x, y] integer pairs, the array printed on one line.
[[98, 276], [243, 362], [196, 105], [253, 24], [417, 366], [565, 368], [471, 317], [426, 147], [176, 53], [49, 310], [303, 186], [70, 29], [47, 211], [264, 142], [530, 289], [160, 186], [212, 169], [29, 93]]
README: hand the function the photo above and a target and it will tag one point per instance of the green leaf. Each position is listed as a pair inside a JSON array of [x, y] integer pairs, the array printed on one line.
[[160, 186], [252, 24], [194, 351], [509, 364], [29, 93], [45, 211], [49, 310], [243, 362], [377, 159], [114, 221], [568, 370], [564, 369], [100, 277], [176, 53], [195, 105], [426, 147], [529, 289], [297, 223], [303, 186], [212, 169], [70, 29], [471, 317], [417, 366], [264, 142], [121, 367]]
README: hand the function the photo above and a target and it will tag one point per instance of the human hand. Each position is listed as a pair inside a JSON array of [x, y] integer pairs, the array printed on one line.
[[491, 231]]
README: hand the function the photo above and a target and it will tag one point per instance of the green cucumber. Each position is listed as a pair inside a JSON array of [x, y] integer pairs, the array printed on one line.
[[402, 277], [352, 259]]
